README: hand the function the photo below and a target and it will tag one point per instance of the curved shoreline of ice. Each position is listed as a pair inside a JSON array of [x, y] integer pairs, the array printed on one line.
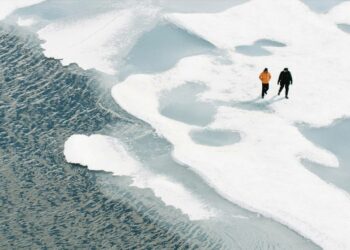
[[104, 153]]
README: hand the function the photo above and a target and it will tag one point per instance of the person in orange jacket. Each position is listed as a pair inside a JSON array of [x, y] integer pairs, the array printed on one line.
[[265, 78]]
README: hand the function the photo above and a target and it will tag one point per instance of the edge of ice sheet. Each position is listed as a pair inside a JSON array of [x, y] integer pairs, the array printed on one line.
[[8, 6], [99, 152], [97, 42]]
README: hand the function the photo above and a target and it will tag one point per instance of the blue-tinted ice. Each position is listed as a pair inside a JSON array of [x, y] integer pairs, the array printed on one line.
[[215, 138], [257, 49], [161, 48], [322, 6], [344, 27], [182, 104], [335, 138]]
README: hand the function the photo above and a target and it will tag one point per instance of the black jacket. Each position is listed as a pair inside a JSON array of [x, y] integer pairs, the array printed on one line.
[[285, 77]]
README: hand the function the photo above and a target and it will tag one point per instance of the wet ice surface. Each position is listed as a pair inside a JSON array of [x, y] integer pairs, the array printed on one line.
[[215, 138], [257, 49], [344, 27], [182, 104], [194, 6], [322, 6], [269, 43], [335, 138], [161, 48], [251, 50]]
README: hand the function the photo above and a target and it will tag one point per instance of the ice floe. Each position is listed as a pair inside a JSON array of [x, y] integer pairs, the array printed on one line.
[[262, 172]]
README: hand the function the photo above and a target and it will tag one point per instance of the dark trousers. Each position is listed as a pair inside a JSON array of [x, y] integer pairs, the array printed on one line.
[[286, 86], [265, 88]]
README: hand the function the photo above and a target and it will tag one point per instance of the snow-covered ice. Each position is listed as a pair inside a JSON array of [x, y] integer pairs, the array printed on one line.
[[262, 172]]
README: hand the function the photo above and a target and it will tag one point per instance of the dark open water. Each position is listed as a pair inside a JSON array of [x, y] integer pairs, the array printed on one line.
[[48, 203]]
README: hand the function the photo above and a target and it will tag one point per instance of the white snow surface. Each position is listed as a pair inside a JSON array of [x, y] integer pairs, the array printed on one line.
[[99, 152], [341, 13], [263, 171], [8, 6], [25, 22]]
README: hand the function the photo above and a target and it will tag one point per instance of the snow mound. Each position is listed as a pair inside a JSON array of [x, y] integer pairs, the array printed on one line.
[[104, 153]]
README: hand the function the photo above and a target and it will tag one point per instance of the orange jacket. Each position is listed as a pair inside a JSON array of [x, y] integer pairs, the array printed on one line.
[[265, 77]]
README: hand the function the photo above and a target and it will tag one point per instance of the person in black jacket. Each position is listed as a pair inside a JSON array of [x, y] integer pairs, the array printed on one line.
[[284, 80]]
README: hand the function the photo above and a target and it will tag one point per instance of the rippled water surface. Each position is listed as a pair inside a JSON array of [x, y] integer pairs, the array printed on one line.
[[47, 203]]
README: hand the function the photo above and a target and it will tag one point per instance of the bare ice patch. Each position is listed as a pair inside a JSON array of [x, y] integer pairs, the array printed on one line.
[[335, 138], [215, 138], [258, 48], [322, 6], [183, 104], [269, 43], [344, 27], [194, 6], [161, 48]]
